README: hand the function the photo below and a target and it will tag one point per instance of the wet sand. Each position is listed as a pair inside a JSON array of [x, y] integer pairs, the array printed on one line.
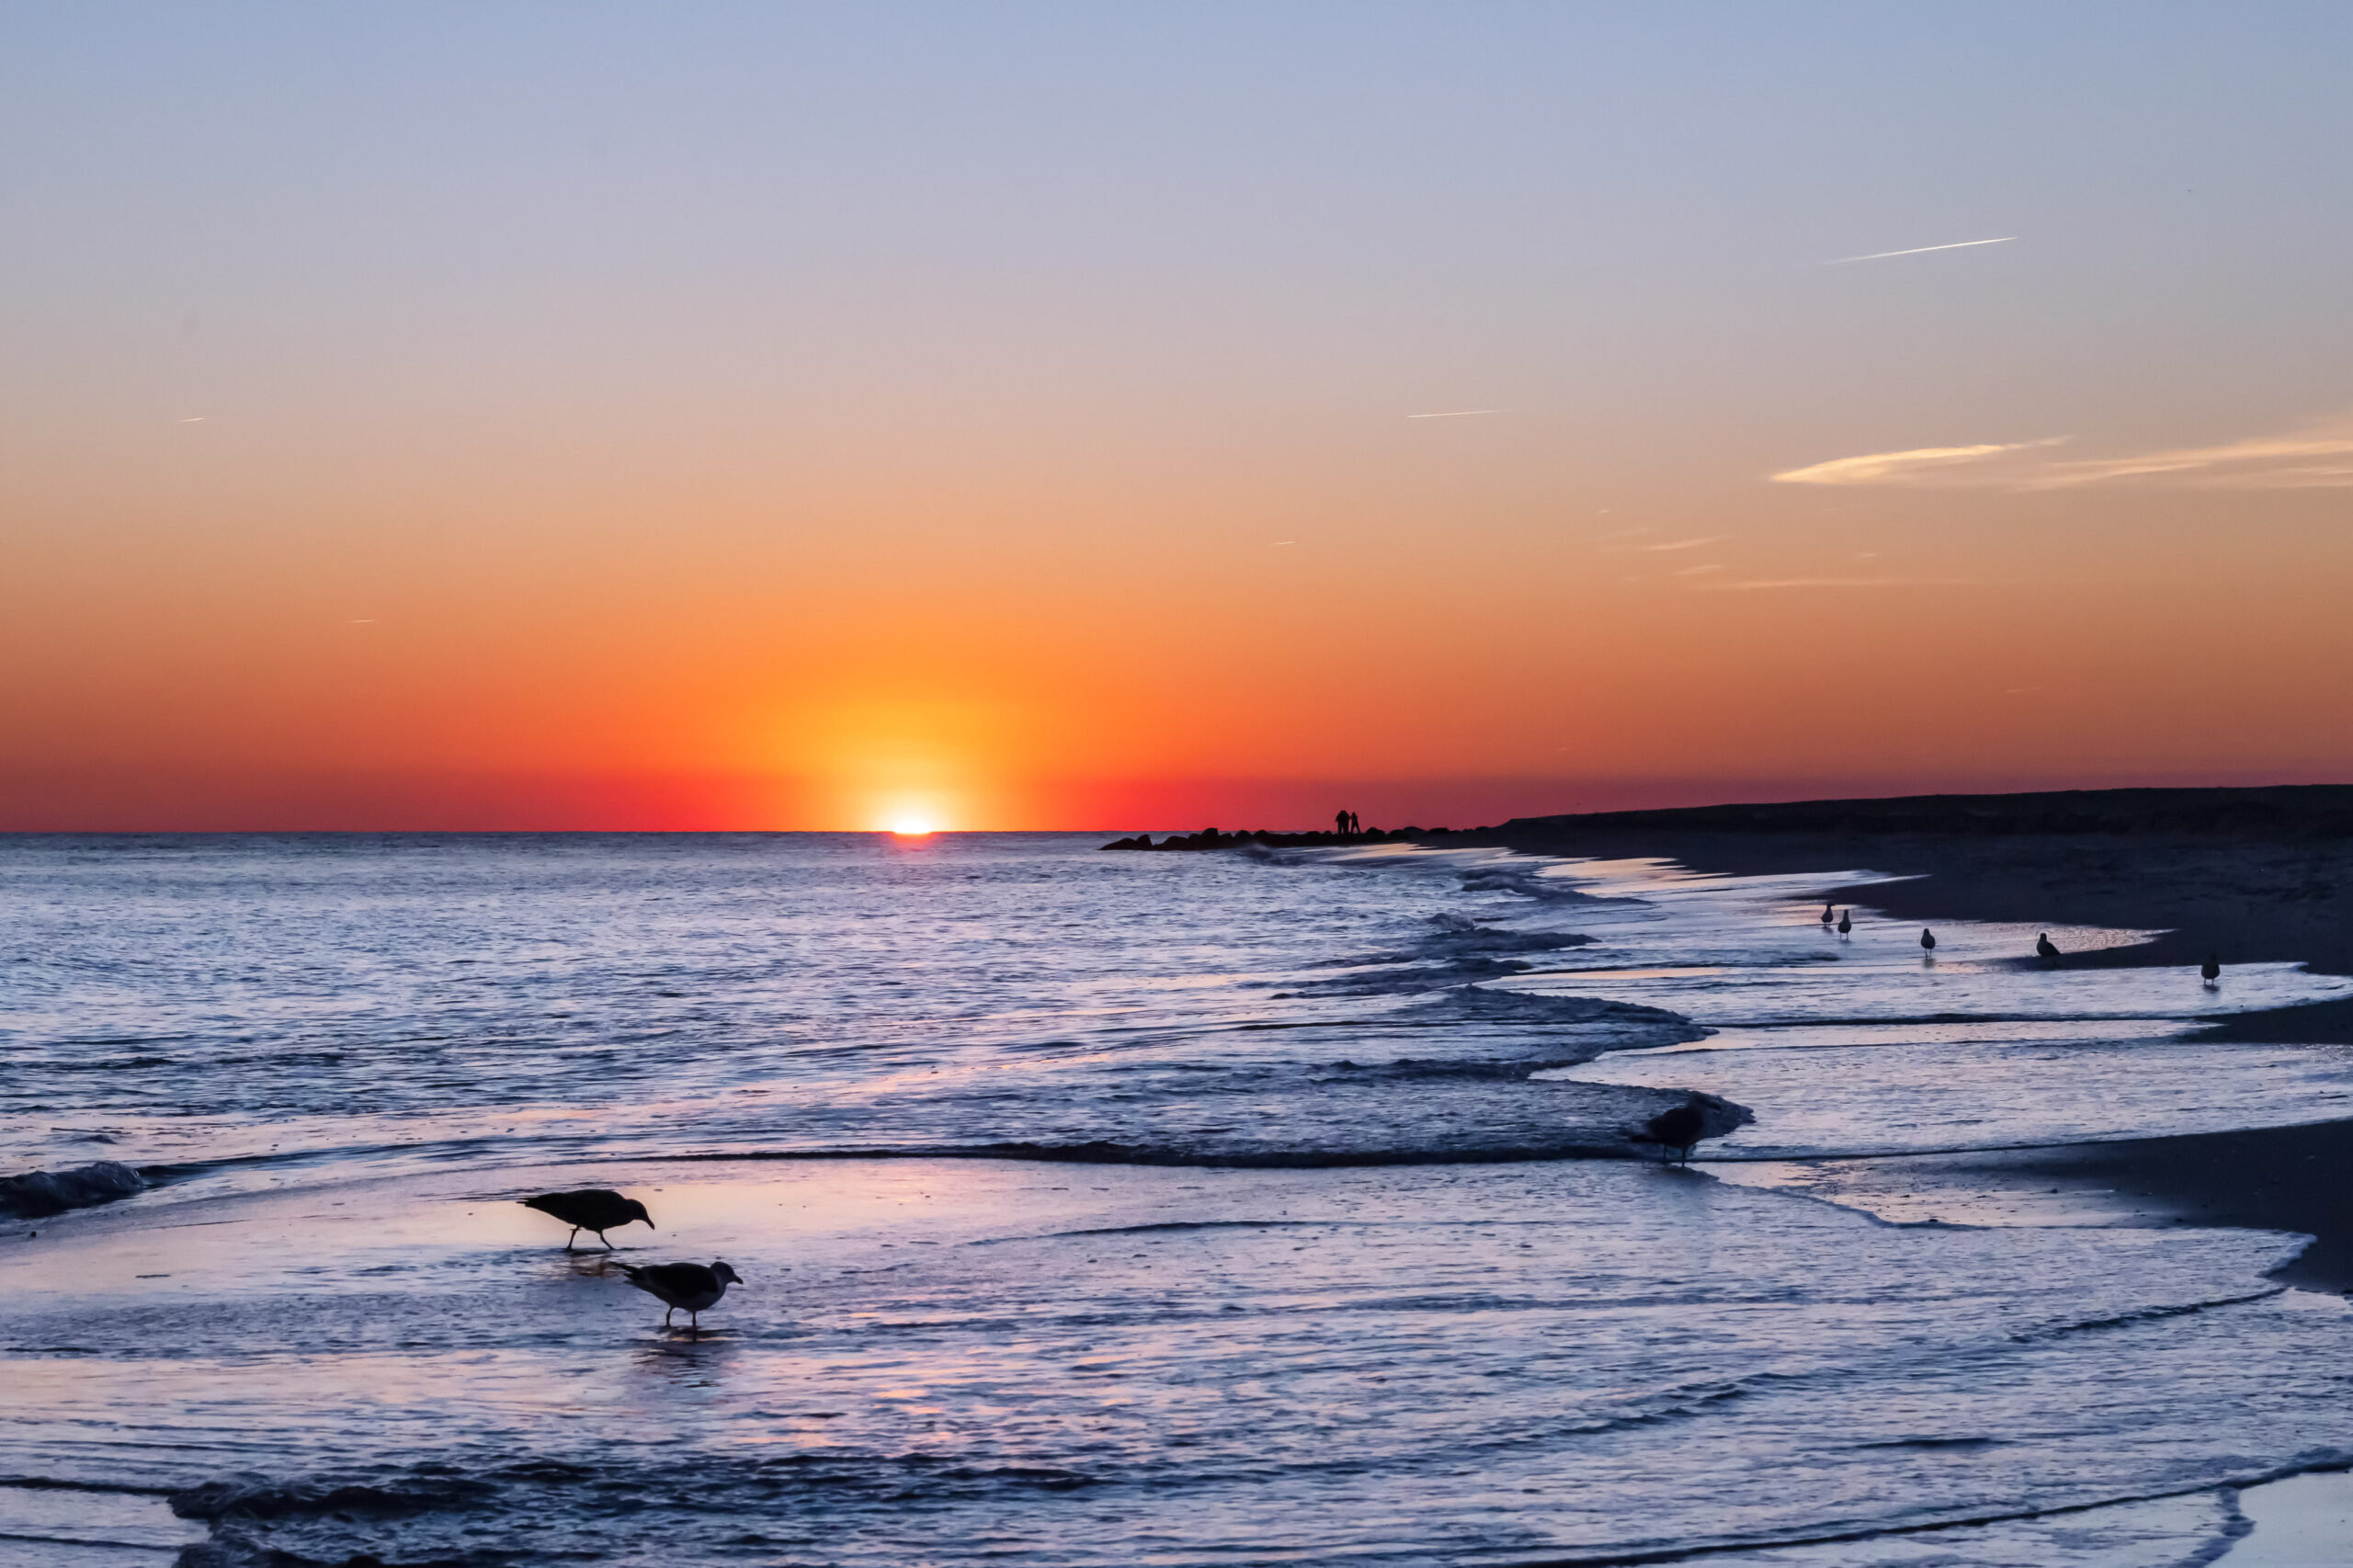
[[980, 1313], [2253, 875]]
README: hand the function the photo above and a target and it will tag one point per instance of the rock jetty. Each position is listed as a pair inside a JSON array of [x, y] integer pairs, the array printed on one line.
[[1210, 838]]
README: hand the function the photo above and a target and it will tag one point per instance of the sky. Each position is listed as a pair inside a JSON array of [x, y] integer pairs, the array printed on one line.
[[1025, 416]]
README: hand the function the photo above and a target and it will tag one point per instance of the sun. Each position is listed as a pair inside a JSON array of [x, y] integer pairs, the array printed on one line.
[[912, 827]]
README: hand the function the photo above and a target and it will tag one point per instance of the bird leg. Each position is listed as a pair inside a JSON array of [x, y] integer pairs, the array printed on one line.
[[572, 1238], [608, 1246]]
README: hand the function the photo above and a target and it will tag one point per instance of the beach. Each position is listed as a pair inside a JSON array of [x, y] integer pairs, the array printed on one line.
[[2244, 875]]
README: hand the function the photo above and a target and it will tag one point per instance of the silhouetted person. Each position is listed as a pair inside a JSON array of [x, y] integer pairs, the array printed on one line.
[[2211, 971], [1340, 823], [1676, 1129], [2046, 950], [1845, 922], [593, 1209], [1928, 943], [1828, 914], [1356, 823]]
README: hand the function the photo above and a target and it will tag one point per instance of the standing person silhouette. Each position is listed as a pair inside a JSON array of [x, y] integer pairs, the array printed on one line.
[[1340, 823], [1354, 827]]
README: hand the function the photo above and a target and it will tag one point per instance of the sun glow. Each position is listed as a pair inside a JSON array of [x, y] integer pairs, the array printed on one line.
[[913, 827]]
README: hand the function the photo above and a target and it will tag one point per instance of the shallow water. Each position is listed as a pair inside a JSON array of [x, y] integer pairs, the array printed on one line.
[[330, 1331]]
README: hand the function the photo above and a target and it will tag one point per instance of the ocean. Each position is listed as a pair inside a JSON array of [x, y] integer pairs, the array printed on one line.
[[1103, 1208]]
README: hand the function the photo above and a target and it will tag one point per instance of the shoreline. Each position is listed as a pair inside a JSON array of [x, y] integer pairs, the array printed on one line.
[[2253, 875]]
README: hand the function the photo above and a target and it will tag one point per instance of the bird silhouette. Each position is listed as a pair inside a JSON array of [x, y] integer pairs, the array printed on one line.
[[1676, 1129], [688, 1287], [2211, 971], [1846, 921], [593, 1209], [2046, 950], [1927, 942], [1825, 915]]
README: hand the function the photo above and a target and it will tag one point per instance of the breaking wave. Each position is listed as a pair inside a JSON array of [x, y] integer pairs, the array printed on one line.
[[39, 1194]]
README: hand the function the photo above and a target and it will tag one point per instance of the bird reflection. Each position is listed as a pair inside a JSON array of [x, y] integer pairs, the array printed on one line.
[[687, 1362]]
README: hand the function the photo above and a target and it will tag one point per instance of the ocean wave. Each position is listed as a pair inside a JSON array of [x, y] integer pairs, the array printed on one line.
[[1523, 882], [1409, 1112], [1484, 1005], [1505, 939], [257, 1497], [1455, 950], [35, 1195], [1443, 1078], [604, 1511], [2144, 1314], [1410, 976]]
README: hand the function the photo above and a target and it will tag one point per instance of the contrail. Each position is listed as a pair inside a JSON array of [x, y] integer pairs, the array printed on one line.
[[1920, 250], [1458, 413]]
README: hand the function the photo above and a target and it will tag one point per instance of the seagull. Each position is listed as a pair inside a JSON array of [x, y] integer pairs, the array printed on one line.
[[689, 1288], [593, 1209], [2211, 971], [1927, 942], [2045, 948], [1676, 1129], [1846, 921], [1825, 915]]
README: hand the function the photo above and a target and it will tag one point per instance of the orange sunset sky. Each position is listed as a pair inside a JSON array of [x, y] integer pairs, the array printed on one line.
[[1068, 415]]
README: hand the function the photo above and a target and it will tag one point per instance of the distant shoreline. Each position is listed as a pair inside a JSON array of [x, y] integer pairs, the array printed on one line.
[[2254, 875]]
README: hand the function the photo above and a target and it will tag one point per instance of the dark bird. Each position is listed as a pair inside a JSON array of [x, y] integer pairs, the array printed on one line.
[[1846, 921], [2211, 971], [688, 1287], [1927, 940], [1826, 912], [593, 1209], [2045, 948], [1675, 1130]]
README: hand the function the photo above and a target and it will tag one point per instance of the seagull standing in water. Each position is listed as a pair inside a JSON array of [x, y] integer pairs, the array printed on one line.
[[1928, 943], [1675, 1130], [688, 1287], [2046, 950], [1845, 922], [597, 1208], [1825, 915], [2211, 971]]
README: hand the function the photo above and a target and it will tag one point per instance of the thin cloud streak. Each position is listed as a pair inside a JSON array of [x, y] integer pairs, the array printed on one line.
[[1754, 586], [1906, 467], [1458, 414], [2295, 460], [1689, 543], [2259, 463], [1917, 250]]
